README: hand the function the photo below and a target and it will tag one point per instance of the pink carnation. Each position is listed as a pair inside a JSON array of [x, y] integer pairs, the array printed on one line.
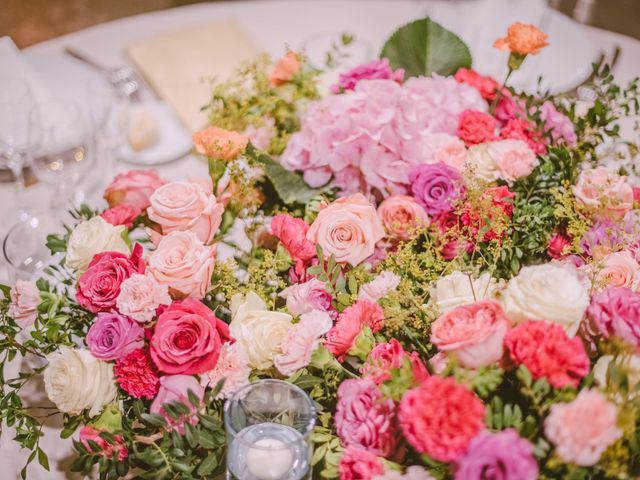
[[25, 299], [616, 312], [385, 357], [547, 351], [358, 464], [140, 296], [376, 69], [440, 418], [521, 129], [292, 233], [342, 336], [306, 297], [486, 85], [232, 367], [124, 214], [476, 127], [513, 158], [119, 450], [136, 375]]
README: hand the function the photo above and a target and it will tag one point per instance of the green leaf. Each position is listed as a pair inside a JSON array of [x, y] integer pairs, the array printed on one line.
[[424, 47], [208, 465], [42, 459], [154, 419]]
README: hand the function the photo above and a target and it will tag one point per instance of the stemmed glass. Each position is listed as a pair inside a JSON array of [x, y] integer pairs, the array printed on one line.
[[16, 101]]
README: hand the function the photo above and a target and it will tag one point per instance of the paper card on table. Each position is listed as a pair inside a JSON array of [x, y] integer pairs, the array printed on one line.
[[179, 64]]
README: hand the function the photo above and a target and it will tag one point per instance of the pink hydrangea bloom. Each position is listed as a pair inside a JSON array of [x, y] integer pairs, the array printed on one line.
[[376, 69], [232, 367]]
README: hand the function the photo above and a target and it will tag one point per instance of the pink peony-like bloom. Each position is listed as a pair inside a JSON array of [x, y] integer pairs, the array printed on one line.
[[556, 246], [219, 143], [381, 286], [348, 228], [513, 158], [25, 298], [387, 356], [187, 338], [186, 206], [547, 351], [140, 296], [285, 69], [136, 375], [440, 418], [604, 192], [133, 188], [342, 336], [232, 367], [374, 70], [474, 333], [438, 147], [183, 264], [402, 216], [307, 297], [521, 129], [119, 450], [175, 388], [582, 429], [124, 214], [292, 233], [558, 124], [618, 269], [301, 340], [358, 464], [476, 127], [616, 312], [364, 418], [99, 287], [113, 336]]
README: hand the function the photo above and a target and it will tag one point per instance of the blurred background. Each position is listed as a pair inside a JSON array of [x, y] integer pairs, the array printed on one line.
[[33, 21]]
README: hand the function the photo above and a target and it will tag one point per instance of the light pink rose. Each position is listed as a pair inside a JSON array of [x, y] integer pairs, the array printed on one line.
[[348, 228], [133, 187], [306, 297], [582, 429], [401, 216], [604, 192], [175, 388], [618, 269], [301, 340], [186, 206], [232, 367], [474, 333], [184, 264], [438, 147], [25, 299], [381, 286], [140, 296], [514, 158]]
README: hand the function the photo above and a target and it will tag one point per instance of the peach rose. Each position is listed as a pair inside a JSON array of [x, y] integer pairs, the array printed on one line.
[[348, 228], [184, 264], [523, 39], [474, 333], [186, 206], [220, 143], [284, 70], [401, 216], [514, 158], [604, 191], [133, 187], [618, 269]]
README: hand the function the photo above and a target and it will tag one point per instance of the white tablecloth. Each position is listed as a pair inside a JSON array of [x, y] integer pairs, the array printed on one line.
[[271, 24]]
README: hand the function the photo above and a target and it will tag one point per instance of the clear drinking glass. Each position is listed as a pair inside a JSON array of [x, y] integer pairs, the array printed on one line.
[[269, 427], [62, 152]]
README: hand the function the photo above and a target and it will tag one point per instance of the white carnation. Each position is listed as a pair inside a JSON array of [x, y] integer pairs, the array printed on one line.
[[483, 165], [457, 289], [91, 237]]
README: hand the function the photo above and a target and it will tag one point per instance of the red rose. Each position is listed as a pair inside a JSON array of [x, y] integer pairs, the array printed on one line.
[[121, 215], [476, 127], [99, 286], [188, 338]]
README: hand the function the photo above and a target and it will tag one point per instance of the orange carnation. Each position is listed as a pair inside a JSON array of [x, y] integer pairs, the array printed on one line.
[[285, 69], [522, 39], [219, 143]]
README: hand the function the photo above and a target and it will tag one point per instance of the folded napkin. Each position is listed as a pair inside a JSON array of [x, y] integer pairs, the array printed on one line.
[[179, 65]]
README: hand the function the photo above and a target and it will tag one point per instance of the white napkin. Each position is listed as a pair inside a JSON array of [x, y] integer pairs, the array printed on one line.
[[14, 65]]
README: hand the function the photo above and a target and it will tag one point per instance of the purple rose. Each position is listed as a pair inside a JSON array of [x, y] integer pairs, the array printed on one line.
[[504, 455], [616, 312], [602, 238], [113, 336], [436, 187], [175, 388]]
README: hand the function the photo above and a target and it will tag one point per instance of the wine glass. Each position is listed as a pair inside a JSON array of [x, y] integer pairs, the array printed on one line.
[[61, 148], [16, 101]]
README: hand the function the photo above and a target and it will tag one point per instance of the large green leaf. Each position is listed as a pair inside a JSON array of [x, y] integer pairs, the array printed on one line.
[[424, 47]]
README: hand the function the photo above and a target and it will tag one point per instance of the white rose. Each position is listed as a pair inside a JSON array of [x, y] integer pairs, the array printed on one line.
[[457, 289], [75, 380], [548, 292], [259, 330], [483, 165], [91, 237]]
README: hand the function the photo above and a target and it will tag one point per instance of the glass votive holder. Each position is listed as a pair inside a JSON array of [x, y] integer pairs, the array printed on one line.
[[269, 427]]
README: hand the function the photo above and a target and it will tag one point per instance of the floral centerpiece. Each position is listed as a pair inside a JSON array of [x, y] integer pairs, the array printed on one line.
[[448, 267]]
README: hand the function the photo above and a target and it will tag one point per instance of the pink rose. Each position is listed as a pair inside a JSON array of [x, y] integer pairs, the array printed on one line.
[[402, 216], [133, 187], [301, 340], [381, 286], [306, 297], [140, 296], [184, 264], [604, 192], [514, 158], [438, 147], [358, 464], [348, 228], [292, 233], [219, 143], [582, 429], [186, 206], [284, 70], [188, 338], [175, 388], [25, 299], [99, 287], [556, 246], [344, 333], [385, 357], [108, 450], [124, 214], [618, 269], [474, 333]]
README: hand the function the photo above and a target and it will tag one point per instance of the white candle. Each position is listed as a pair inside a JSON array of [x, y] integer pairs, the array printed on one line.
[[269, 459]]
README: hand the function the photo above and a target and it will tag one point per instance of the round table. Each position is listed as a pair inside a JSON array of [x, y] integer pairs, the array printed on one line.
[[271, 24]]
